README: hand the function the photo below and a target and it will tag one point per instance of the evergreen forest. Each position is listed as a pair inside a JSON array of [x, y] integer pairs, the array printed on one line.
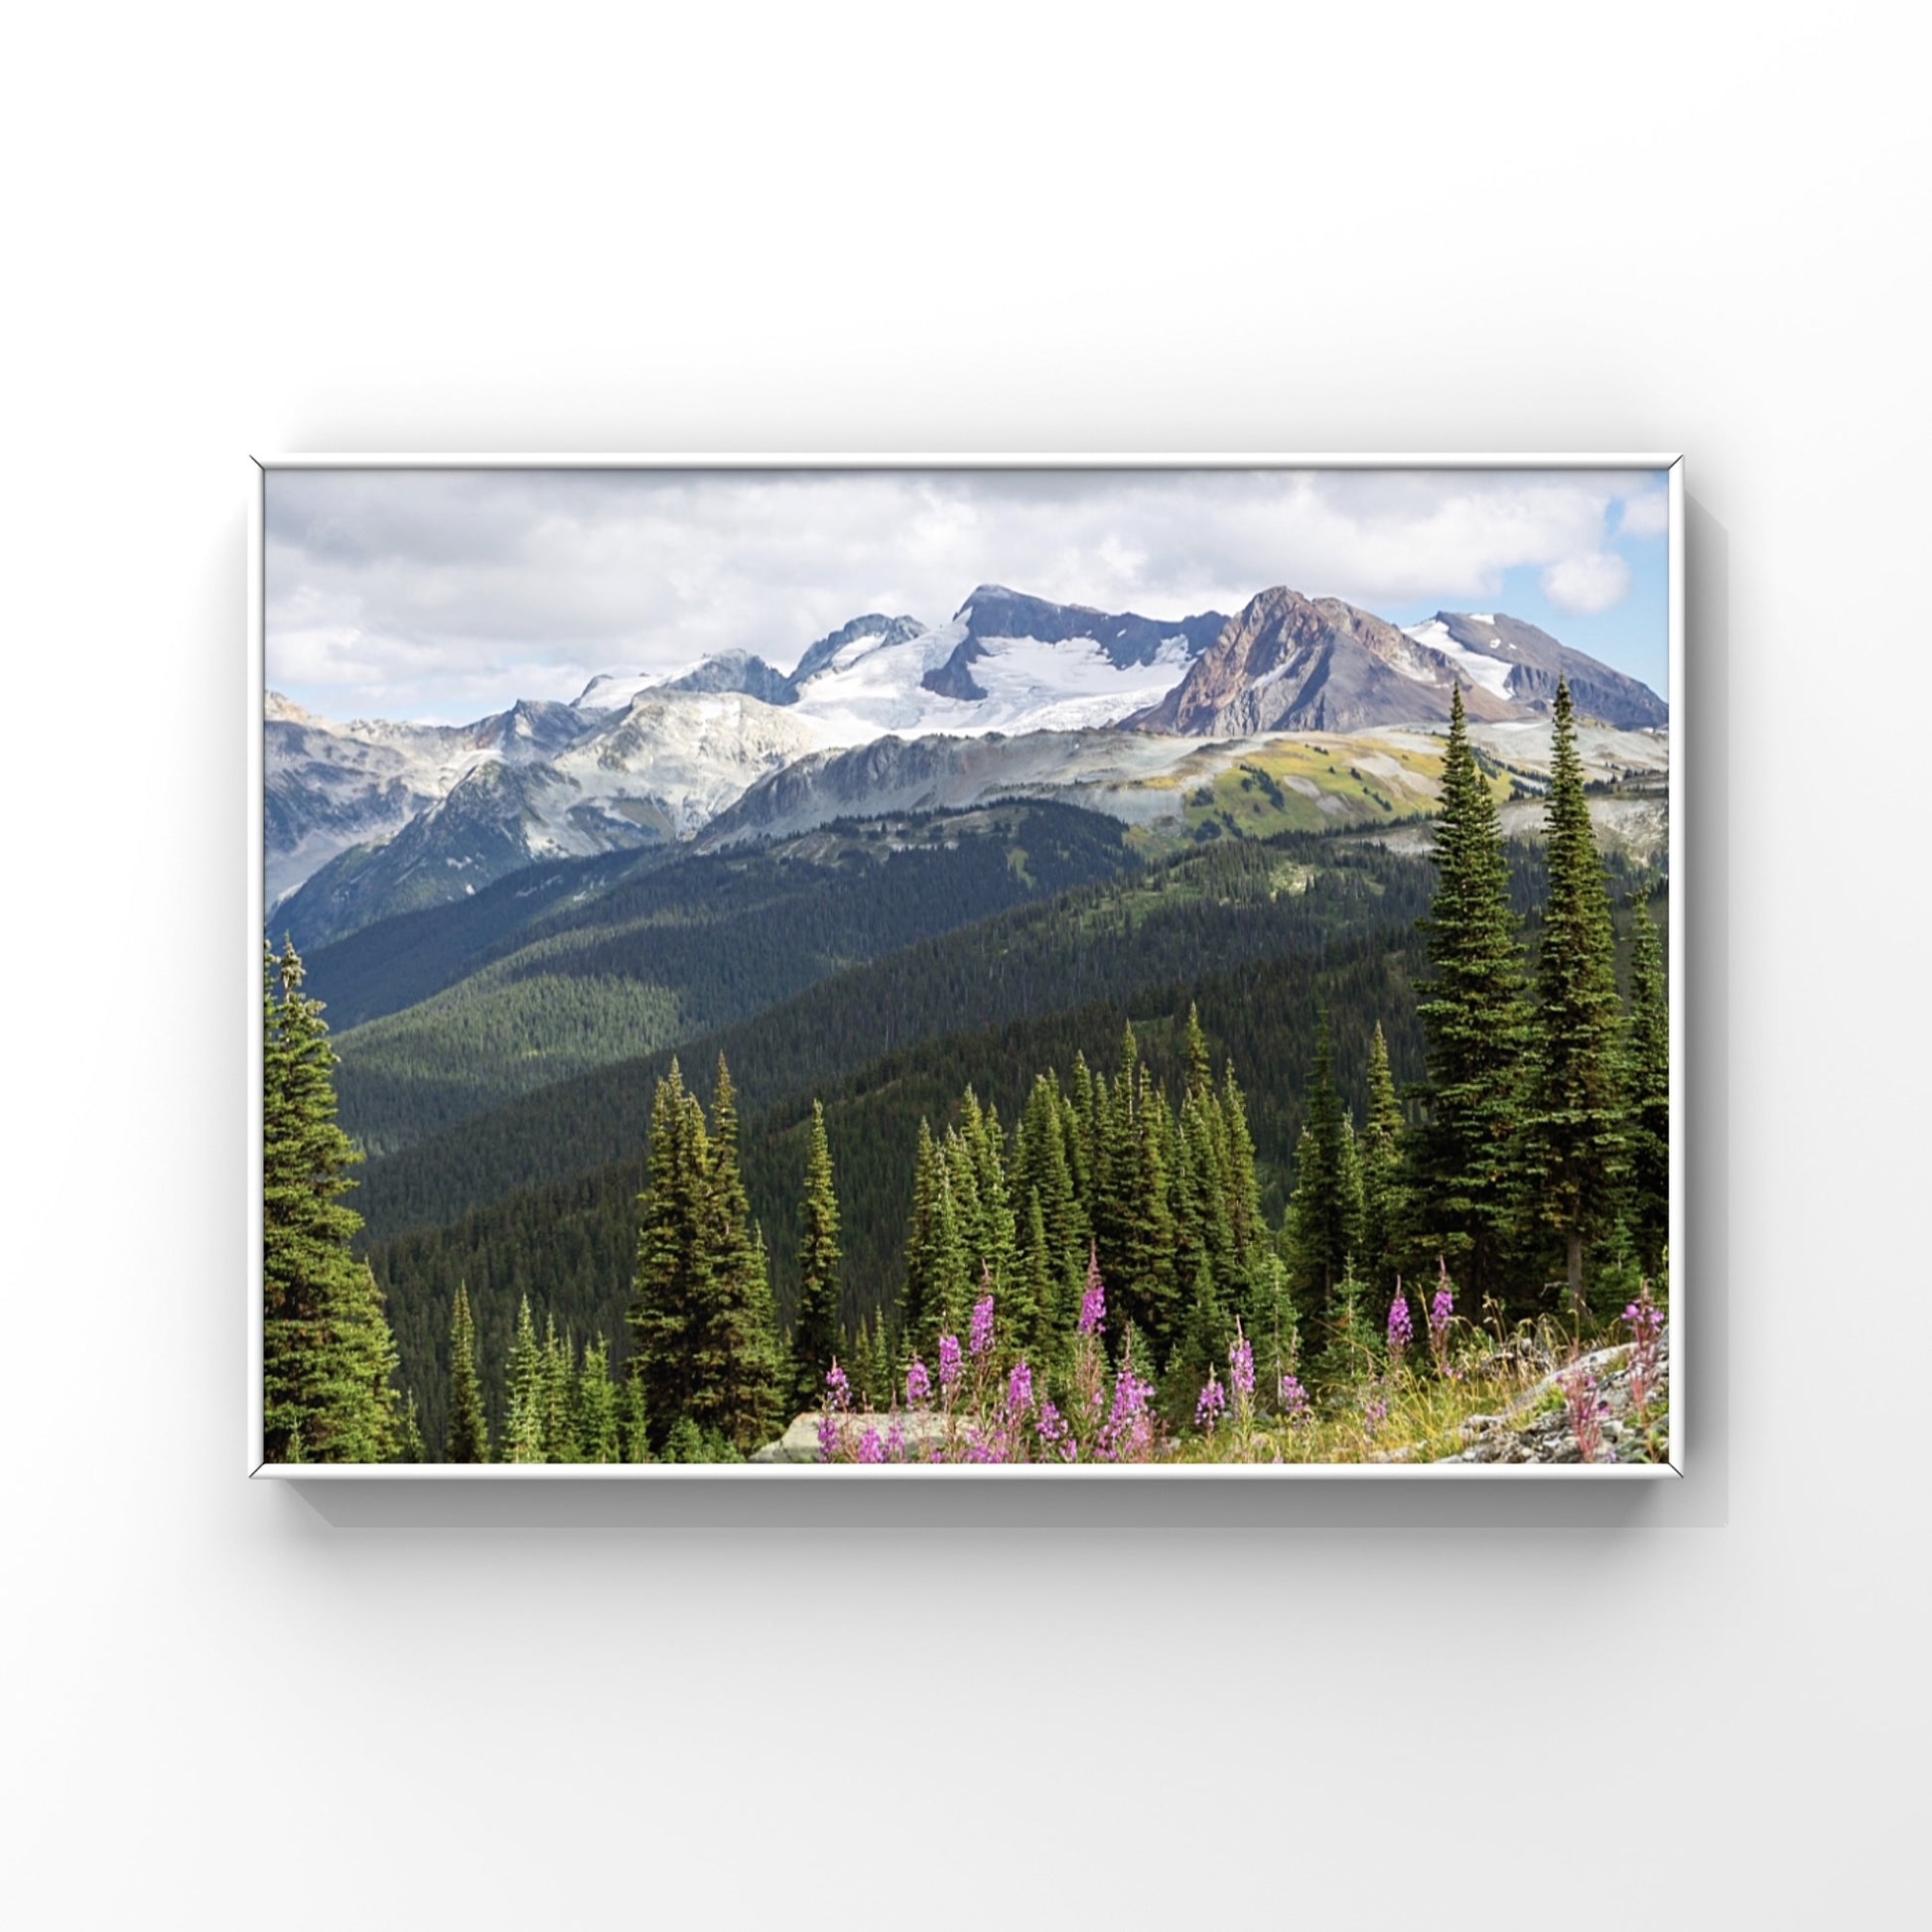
[[991, 1137]]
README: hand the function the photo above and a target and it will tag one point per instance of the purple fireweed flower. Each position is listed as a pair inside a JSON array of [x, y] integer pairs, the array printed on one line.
[[919, 1384], [837, 1387], [1241, 1366], [1401, 1331], [1019, 1389], [1207, 1411], [982, 1334], [1374, 1415], [1646, 1324], [1052, 1426], [1093, 1303], [1127, 1428], [1295, 1399], [870, 1448], [948, 1360], [1442, 1311], [895, 1442], [1587, 1411], [828, 1437]]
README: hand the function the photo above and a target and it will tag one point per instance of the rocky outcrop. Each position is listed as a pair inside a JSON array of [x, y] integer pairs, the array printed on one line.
[[1531, 662], [739, 671], [920, 1432], [1294, 663], [1289, 662], [1536, 1427]]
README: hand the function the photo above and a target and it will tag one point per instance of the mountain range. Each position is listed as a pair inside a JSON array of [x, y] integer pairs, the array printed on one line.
[[369, 818]]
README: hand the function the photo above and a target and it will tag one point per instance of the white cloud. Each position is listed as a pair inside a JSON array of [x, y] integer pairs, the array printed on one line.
[[1646, 514], [415, 593], [1586, 583]]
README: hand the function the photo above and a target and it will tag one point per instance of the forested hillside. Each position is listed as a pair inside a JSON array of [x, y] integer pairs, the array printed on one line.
[[1204, 912], [674, 952], [1238, 1096]]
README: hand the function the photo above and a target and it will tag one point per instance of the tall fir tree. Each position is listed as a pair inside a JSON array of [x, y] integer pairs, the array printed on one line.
[[1044, 1168], [739, 1374], [1575, 1129], [412, 1448], [596, 1420], [633, 1419], [469, 1430], [1474, 1021], [922, 1295], [1647, 1085], [328, 1354], [814, 1335], [1132, 1216], [1383, 1199], [1325, 1213], [560, 1444], [527, 1391], [671, 1289]]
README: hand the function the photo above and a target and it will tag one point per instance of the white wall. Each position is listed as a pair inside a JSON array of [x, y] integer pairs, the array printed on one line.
[[489, 228]]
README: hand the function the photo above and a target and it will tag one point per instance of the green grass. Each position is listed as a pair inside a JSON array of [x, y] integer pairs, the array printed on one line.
[[1426, 1412]]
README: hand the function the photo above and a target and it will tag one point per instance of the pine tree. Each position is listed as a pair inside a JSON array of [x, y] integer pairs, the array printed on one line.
[[1647, 1093], [1205, 1339], [814, 1333], [860, 1368], [1325, 1214], [952, 1263], [1348, 1353], [560, 1442], [1133, 1218], [1200, 1069], [411, 1449], [1382, 1159], [1039, 1283], [326, 1350], [527, 1392], [1043, 1168], [737, 1369], [1575, 1128], [595, 1424], [920, 1296], [1474, 1025], [633, 1421], [672, 1290], [469, 1430], [885, 1350]]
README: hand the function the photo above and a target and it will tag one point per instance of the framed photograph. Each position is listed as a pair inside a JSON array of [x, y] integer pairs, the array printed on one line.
[[1026, 966]]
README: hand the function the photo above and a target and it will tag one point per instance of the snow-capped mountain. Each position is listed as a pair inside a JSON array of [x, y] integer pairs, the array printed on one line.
[[1002, 660], [371, 819], [1289, 662], [653, 772], [1519, 664], [330, 786], [725, 671]]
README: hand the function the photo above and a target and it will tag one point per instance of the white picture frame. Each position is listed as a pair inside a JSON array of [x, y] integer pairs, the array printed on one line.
[[1683, 1287]]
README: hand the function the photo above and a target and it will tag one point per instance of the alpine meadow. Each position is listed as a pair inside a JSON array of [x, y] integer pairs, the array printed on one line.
[[1205, 1001]]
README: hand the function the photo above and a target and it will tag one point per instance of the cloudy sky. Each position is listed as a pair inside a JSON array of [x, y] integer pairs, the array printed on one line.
[[448, 593]]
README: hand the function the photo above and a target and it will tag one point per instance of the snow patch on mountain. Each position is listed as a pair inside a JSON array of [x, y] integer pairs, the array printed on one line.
[[870, 689], [1488, 673], [615, 690]]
